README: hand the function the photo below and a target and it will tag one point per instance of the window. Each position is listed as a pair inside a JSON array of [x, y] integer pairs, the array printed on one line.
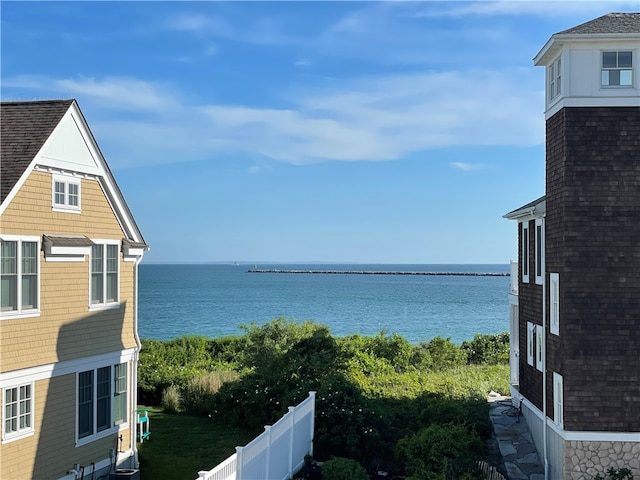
[[530, 330], [17, 411], [555, 79], [558, 414], [539, 251], [617, 69], [525, 252], [104, 274], [539, 347], [19, 275], [101, 400], [554, 303], [66, 193]]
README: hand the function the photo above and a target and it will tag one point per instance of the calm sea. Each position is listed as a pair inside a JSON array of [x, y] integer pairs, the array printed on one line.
[[213, 300]]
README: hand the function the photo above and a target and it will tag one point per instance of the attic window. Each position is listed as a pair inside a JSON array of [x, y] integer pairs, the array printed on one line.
[[66, 194], [617, 69], [555, 79]]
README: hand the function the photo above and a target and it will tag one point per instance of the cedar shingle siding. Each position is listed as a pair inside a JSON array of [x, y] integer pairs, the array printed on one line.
[[593, 241]]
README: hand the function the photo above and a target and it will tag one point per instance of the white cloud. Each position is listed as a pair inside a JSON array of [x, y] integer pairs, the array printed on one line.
[[368, 119], [466, 167]]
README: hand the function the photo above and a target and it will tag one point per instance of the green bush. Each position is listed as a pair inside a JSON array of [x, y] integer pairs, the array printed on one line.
[[488, 349], [439, 451], [343, 469], [443, 353], [171, 399]]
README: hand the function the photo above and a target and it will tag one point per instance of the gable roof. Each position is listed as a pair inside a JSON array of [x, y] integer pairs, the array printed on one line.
[[24, 127], [607, 24]]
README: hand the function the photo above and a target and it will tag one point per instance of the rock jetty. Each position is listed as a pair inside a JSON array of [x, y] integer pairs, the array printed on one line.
[[381, 272]]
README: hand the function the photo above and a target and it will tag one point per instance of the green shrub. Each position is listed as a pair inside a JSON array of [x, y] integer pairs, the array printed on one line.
[[200, 389], [443, 353], [171, 399], [343, 469], [440, 452], [488, 349]]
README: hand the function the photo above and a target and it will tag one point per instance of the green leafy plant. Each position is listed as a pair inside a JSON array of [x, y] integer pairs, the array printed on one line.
[[171, 399], [343, 469]]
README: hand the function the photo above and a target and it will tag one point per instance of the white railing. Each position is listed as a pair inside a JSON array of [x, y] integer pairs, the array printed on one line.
[[514, 277], [277, 453]]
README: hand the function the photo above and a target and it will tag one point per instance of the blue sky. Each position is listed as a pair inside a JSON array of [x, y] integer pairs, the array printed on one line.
[[386, 132]]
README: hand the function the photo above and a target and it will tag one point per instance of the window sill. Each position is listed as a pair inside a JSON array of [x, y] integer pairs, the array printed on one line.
[[60, 209], [97, 436], [16, 315], [96, 307], [18, 436]]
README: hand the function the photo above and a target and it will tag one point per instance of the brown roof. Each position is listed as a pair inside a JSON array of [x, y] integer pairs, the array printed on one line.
[[68, 240], [24, 127], [608, 24]]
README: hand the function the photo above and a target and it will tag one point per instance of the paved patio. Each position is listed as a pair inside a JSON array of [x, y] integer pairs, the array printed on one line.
[[514, 440]]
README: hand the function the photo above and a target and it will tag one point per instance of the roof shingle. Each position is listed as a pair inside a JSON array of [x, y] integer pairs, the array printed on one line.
[[610, 23], [24, 127]]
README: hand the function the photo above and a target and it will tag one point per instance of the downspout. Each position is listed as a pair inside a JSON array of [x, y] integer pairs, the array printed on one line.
[[134, 376]]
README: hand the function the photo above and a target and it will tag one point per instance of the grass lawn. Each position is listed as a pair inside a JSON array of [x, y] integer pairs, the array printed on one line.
[[181, 445]]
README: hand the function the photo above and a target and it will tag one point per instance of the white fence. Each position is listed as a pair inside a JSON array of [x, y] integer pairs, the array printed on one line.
[[277, 453]]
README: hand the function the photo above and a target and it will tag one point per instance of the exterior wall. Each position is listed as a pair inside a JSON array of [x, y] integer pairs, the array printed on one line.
[[529, 310], [593, 193], [65, 325], [48, 453], [587, 459]]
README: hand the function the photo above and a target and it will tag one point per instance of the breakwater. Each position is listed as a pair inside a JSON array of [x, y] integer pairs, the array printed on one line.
[[381, 272]]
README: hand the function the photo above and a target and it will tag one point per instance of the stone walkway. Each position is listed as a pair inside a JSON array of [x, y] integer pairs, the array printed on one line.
[[514, 440]]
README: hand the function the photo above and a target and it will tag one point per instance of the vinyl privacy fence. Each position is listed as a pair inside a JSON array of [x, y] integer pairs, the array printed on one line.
[[277, 453]]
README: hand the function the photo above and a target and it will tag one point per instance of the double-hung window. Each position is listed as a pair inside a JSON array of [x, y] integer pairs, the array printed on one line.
[[558, 393], [530, 334], [539, 347], [17, 409], [104, 273], [617, 69], [539, 251], [101, 401], [525, 252], [66, 193], [19, 262]]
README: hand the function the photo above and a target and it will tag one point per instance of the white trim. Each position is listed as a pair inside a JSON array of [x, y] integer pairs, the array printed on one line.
[[554, 308], [539, 348], [530, 343], [524, 251], [66, 180], [20, 312], [51, 370], [539, 247], [558, 399], [582, 435], [104, 305], [26, 432]]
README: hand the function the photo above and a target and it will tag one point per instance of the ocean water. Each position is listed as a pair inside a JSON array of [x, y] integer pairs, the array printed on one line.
[[214, 300]]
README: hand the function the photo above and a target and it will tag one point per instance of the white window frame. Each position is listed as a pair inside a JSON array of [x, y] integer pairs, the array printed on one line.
[[539, 253], [616, 68], [554, 303], [539, 347], [554, 79], [558, 399], [20, 311], [114, 424], [24, 407], [66, 205], [98, 305], [530, 345], [524, 252]]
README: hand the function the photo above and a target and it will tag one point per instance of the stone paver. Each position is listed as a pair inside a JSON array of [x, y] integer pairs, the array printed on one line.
[[514, 441]]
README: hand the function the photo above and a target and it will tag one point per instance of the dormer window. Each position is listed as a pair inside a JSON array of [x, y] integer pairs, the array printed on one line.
[[66, 194], [617, 69], [555, 79]]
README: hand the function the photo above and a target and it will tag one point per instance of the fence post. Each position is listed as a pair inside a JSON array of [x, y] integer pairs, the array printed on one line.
[[312, 395], [202, 474], [267, 465], [292, 432], [239, 462]]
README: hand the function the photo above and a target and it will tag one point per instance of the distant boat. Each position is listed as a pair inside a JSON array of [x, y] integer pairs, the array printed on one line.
[[236, 263]]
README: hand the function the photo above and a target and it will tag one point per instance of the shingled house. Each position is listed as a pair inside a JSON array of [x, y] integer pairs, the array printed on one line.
[[576, 321], [69, 250]]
